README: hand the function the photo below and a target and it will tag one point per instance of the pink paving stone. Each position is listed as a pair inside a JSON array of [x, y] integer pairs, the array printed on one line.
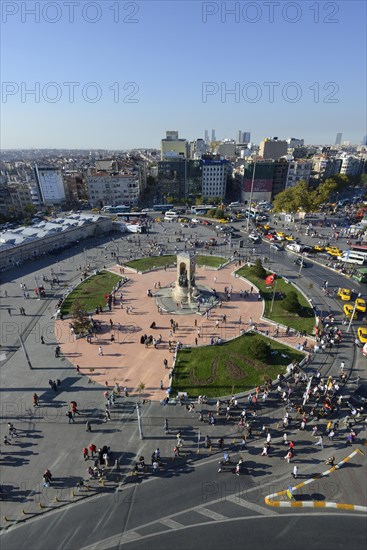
[[129, 362]]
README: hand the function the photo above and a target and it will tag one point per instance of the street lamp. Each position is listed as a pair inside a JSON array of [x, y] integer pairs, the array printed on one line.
[[300, 267], [251, 193], [352, 316]]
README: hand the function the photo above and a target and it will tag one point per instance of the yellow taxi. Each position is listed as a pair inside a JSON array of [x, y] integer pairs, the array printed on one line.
[[318, 248], [333, 251], [239, 216], [345, 294], [360, 305], [184, 220], [362, 334], [95, 210], [222, 220], [289, 238], [158, 220], [281, 234], [348, 311]]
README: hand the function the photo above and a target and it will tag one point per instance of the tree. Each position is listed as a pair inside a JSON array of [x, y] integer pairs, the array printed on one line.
[[78, 312], [261, 350], [302, 198], [291, 303], [258, 270]]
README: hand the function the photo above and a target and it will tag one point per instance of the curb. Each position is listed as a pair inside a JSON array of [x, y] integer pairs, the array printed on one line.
[[269, 499]]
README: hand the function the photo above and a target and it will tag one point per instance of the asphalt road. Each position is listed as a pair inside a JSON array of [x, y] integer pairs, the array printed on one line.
[[197, 505]]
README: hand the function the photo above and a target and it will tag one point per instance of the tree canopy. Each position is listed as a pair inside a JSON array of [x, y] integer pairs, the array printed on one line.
[[302, 198]]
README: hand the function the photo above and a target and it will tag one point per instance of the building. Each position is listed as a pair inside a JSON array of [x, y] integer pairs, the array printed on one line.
[[240, 136], [206, 138], [198, 148], [323, 167], [50, 184], [273, 148], [351, 166], [338, 139], [257, 182], [173, 147], [226, 148], [298, 170], [20, 198], [214, 178], [113, 189], [213, 136], [295, 142], [179, 178], [280, 173], [246, 137]]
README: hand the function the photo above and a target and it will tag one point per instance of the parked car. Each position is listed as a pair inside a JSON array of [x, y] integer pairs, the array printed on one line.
[[276, 246]]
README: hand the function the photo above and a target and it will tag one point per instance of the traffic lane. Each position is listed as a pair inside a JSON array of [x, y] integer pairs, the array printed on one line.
[[283, 532]]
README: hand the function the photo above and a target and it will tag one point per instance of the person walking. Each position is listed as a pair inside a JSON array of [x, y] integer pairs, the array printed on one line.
[[88, 427], [320, 442], [9, 311], [107, 414], [166, 426], [265, 450], [288, 457], [295, 472], [69, 414], [100, 350], [85, 453]]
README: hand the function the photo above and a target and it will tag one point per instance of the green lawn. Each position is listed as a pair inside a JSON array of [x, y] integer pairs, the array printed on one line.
[[210, 261], [91, 292], [221, 370], [302, 321], [144, 264]]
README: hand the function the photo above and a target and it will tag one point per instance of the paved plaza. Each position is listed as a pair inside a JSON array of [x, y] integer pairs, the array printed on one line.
[[128, 362]]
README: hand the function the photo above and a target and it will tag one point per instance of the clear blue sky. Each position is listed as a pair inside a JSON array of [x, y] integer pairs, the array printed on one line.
[[170, 50]]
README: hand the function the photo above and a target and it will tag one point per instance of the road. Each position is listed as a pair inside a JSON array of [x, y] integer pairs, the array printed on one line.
[[193, 503]]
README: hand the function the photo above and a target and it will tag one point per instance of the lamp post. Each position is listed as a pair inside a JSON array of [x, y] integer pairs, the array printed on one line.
[[352, 316], [273, 297], [139, 421], [300, 267], [251, 193]]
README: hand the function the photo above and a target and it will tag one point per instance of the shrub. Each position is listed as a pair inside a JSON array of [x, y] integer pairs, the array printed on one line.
[[258, 270], [261, 350], [291, 303]]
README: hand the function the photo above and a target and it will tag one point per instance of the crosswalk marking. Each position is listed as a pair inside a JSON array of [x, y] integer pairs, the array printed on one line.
[[211, 514], [171, 523], [250, 505]]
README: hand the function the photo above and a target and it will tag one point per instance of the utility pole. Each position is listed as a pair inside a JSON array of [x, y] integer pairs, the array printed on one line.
[[139, 421], [25, 352], [273, 298], [300, 267], [351, 317], [251, 193]]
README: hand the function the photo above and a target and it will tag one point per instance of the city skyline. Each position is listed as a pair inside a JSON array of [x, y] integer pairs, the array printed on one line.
[[117, 75]]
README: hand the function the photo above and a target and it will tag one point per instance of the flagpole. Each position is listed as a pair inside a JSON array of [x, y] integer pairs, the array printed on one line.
[[272, 300]]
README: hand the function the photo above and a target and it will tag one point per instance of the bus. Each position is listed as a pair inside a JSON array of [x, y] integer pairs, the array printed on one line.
[[360, 275], [128, 216], [162, 207], [202, 208], [115, 209], [359, 247], [352, 257]]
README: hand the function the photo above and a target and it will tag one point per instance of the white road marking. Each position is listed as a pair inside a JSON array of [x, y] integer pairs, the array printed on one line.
[[171, 523], [210, 514], [250, 505]]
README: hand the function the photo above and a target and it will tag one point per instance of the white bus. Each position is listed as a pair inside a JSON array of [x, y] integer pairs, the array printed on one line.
[[170, 216], [353, 257]]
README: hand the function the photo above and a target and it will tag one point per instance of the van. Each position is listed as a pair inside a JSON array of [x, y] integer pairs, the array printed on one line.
[[234, 204], [352, 257], [170, 216]]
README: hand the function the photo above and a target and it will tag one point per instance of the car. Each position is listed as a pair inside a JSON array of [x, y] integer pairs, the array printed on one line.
[[183, 220], [205, 222], [281, 234], [362, 334], [195, 220], [318, 248], [270, 236], [254, 239], [146, 210], [277, 247], [333, 251], [360, 305], [345, 294], [267, 227], [222, 220], [289, 238], [158, 220], [239, 216], [212, 242], [348, 311], [299, 261]]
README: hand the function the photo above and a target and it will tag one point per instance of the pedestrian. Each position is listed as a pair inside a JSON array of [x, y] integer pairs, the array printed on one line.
[[9, 311], [69, 414], [165, 363], [288, 457], [166, 426], [314, 431], [93, 449], [88, 427], [320, 442], [100, 350], [107, 414], [6, 440], [85, 453], [295, 472], [265, 450]]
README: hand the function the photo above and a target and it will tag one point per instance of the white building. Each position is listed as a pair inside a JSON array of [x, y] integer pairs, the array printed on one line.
[[113, 190], [198, 148], [295, 142], [50, 184], [351, 166], [173, 147], [214, 177], [298, 170]]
